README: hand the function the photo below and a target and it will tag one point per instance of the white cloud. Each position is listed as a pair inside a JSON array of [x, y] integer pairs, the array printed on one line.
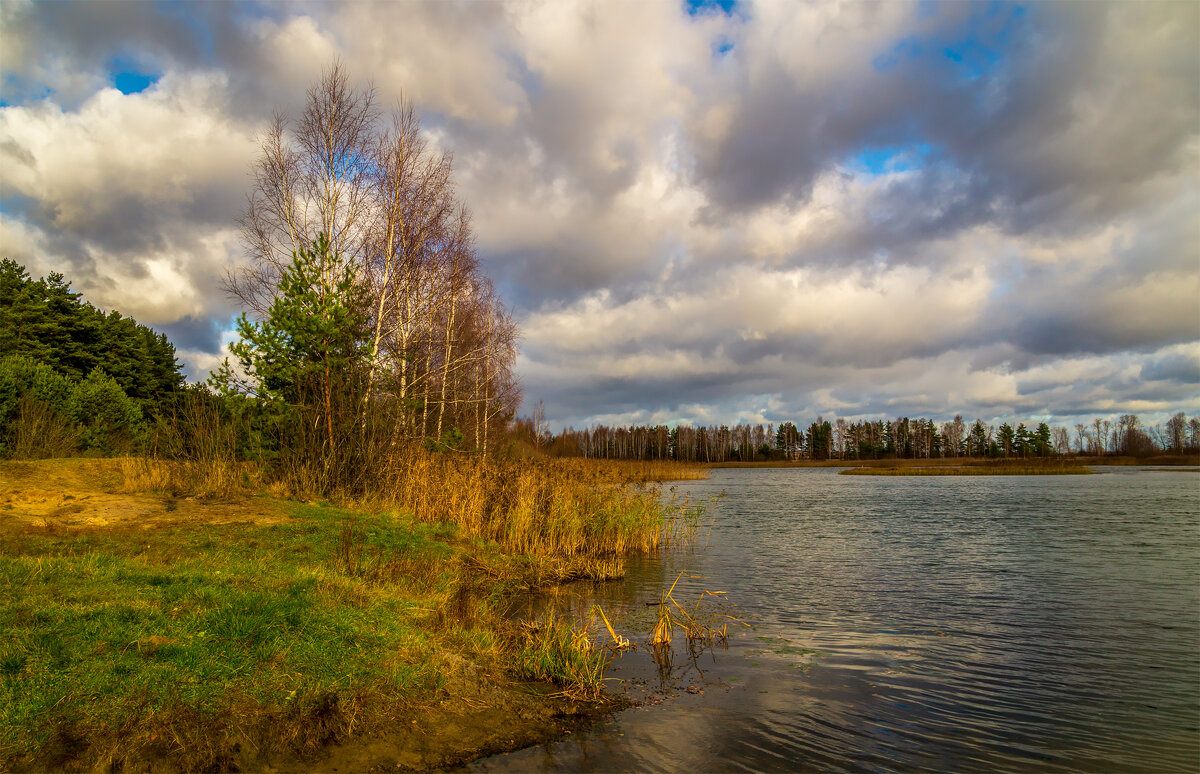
[[162, 148]]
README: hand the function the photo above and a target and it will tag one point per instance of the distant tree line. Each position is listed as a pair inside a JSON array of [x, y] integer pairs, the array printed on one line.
[[901, 438], [80, 378]]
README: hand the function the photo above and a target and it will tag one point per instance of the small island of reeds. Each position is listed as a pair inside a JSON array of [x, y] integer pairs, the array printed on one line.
[[982, 468]]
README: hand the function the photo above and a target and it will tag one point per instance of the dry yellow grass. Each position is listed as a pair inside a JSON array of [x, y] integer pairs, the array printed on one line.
[[567, 507], [588, 511]]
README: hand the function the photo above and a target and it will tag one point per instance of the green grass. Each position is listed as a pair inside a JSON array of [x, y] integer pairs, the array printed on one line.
[[183, 642], [554, 649]]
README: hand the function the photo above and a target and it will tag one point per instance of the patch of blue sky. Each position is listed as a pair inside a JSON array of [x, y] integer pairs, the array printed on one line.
[[976, 47], [927, 9], [15, 205], [1002, 289], [133, 82], [19, 91], [518, 71], [700, 7], [971, 57], [890, 159], [129, 76], [903, 50]]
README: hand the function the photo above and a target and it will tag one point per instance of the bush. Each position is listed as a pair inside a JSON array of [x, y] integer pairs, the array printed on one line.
[[46, 414], [33, 398], [40, 432], [20, 375], [110, 422]]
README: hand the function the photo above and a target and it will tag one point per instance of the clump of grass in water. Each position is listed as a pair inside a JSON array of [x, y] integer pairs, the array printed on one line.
[[552, 648], [699, 625]]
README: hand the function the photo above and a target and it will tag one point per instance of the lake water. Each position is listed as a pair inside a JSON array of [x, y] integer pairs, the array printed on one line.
[[1040, 623]]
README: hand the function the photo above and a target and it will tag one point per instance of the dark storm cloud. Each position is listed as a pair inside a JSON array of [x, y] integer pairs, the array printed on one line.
[[93, 33], [1184, 369], [1048, 313], [124, 223], [1056, 123], [622, 395], [199, 334], [1061, 334]]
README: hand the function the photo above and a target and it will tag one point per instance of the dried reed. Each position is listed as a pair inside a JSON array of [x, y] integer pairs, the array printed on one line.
[[698, 624], [568, 508]]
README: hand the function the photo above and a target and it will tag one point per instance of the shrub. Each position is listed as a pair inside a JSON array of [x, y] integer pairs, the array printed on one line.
[[110, 422], [32, 394]]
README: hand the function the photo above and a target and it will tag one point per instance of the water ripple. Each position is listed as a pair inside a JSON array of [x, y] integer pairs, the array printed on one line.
[[958, 624]]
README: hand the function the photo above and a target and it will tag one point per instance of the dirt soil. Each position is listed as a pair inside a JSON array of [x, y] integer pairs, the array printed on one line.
[[483, 719]]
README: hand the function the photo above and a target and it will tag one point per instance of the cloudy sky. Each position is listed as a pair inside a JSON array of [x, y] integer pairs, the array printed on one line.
[[747, 211]]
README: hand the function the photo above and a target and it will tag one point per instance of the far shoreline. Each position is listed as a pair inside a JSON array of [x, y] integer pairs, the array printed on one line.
[[1173, 461]]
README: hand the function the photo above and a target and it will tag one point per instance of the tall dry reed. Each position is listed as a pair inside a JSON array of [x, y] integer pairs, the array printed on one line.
[[563, 507]]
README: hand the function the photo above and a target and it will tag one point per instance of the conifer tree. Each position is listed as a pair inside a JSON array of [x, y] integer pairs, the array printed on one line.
[[307, 360]]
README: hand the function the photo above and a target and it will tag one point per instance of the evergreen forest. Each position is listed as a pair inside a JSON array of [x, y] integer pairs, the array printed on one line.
[[74, 378]]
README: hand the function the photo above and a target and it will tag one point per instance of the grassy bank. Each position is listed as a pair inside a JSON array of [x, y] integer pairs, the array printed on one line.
[[146, 625], [1158, 461]]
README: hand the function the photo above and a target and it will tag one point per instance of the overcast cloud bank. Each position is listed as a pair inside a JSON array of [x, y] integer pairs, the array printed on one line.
[[766, 213]]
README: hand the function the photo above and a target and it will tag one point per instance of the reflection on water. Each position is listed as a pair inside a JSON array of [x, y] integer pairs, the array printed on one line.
[[919, 624]]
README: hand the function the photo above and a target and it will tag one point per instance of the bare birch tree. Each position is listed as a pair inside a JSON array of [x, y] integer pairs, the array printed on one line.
[[439, 341]]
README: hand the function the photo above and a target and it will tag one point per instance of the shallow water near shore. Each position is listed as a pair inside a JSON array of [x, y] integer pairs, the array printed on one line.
[[928, 624]]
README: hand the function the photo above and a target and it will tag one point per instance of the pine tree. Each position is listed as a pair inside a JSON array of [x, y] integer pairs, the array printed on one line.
[[307, 360]]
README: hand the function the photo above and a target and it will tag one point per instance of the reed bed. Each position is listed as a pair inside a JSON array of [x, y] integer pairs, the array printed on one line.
[[573, 518], [566, 507], [554, 520], [646, 471]]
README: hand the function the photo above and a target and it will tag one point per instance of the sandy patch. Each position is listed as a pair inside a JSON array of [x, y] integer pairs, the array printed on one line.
[[78, 494]]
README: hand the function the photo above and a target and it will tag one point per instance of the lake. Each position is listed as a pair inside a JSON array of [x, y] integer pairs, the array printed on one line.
[[1010, 623]]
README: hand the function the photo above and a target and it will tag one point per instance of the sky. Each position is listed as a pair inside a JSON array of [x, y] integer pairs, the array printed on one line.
[[698, 212]]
